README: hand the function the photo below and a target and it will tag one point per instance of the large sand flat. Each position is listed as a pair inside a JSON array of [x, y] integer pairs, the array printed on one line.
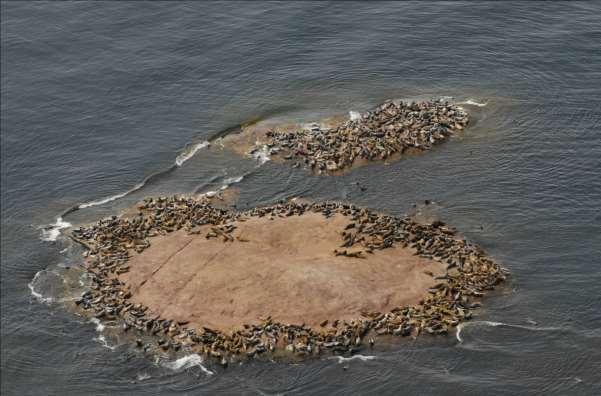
[[284, 267]]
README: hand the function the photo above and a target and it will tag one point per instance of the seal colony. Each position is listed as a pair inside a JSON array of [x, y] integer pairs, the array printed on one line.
[[389, 130], [458, 274]]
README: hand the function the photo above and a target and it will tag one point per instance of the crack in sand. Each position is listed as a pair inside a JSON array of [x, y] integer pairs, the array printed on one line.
[[162, 265]]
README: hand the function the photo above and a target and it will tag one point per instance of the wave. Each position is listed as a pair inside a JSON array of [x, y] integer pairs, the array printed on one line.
[[188, 361], [143, 376], [473, 103], [34, 293], [354, 115], [102, 340], [497, 324], [112, 197], [98, 323], [231, 180], [227, 182], [181, 158], [117, 196], [51, 232], [189, 153], [262, 154], [179, 161], [363, 358], [51, 285]]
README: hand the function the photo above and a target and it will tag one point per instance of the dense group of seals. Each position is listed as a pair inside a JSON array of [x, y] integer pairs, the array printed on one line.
[[389, 129], [110, 243]]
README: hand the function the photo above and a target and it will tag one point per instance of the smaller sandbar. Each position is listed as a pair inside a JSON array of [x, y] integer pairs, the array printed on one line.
[[337, 144]]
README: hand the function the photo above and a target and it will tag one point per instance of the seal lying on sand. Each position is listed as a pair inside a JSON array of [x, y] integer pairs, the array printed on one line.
[[389, 130]]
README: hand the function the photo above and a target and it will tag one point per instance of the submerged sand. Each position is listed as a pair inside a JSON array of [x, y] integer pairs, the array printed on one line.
[[282, 267]]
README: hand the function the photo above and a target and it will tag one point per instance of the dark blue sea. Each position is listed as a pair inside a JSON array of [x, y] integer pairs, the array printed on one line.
[[104, 103]]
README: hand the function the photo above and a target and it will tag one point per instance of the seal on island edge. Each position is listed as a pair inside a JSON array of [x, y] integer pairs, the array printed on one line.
[[445, 306]]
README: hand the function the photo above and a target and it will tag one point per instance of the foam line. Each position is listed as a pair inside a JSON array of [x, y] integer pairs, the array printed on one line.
[[34, 293], [354, 115], [187, 361], [461, 326], [189, 153], [363, 358], [51, 232], [473, 103]]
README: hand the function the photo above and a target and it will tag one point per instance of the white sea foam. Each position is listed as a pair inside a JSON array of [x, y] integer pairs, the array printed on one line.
[[354, 115], [37, 295], [363, 358], [473, 103], [181, 158], [489, 323], [189, 152], [47, 284], [143, 376], [458, 334], [112, 197], [51, 232], [231, 180], [102, 340], [99, 325], [188, 361], [262, 154], [461, 326]]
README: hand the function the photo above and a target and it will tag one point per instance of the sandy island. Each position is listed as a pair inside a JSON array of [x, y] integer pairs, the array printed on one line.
[[297, 277], [338, 144], [284, 268]]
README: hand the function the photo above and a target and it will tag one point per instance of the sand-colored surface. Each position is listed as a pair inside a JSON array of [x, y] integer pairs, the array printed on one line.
[[283, 267], [256, 133]]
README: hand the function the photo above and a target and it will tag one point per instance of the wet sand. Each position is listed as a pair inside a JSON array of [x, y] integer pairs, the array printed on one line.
[[284, 267]]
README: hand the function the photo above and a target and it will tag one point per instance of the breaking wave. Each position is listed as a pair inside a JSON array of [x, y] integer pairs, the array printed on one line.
[[473, 103], [51, 232], [39, 296], [143, 376], [261, 154], [53, 285], [185, 362], [231, 180], [99, 325], [102, 340], [112, 197], [461, 326], [189, 153], [363, 358], [227, 182], [354, 115], [120, 195]]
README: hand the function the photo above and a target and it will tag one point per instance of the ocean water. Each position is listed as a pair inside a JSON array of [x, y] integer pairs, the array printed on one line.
[[105, 103]]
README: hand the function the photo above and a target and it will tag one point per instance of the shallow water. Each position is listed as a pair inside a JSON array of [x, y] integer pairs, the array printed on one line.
[[97, 98]]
